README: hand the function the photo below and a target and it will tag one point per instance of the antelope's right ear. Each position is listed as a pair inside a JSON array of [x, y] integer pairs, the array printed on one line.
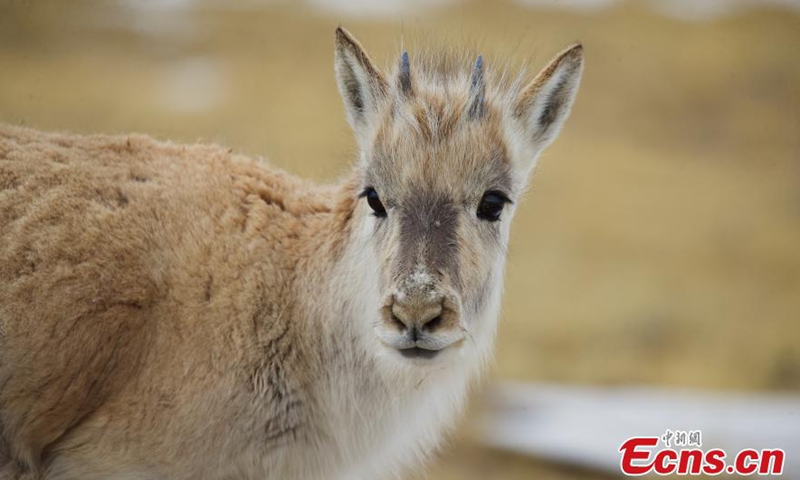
[[362, 86]]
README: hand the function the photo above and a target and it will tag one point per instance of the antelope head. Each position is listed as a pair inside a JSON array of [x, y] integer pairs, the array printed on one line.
[[446, 150]]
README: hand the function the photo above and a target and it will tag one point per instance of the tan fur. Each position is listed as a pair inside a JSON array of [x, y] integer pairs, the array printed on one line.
[[179, 311], [136, 272]]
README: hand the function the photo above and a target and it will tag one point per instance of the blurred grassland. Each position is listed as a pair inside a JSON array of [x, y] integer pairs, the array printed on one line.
[[659, 242]]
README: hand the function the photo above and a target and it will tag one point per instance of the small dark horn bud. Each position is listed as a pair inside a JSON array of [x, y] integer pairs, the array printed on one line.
[[405, 75], [477, 91]]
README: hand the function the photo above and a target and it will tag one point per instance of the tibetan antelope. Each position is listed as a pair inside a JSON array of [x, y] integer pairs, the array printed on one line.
[[182, 312]]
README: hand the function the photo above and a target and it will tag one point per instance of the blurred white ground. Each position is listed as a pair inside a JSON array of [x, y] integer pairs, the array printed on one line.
[[585, 425]]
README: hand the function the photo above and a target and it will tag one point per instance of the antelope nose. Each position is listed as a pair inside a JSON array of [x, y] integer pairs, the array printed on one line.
[[418, 314]]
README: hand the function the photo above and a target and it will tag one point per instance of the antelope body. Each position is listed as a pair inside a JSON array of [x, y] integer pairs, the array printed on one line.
[[182, 312]]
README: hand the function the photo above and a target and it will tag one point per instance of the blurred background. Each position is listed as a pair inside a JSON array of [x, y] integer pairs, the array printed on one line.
[[659, 246]]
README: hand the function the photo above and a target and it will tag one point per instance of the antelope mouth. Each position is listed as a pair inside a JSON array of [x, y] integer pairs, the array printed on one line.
[[417, 352]]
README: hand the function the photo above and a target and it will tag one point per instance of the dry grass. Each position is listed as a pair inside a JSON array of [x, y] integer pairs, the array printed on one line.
[[660, 242]]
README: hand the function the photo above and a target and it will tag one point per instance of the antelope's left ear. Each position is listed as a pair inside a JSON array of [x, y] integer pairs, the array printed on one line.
[[544, 104]]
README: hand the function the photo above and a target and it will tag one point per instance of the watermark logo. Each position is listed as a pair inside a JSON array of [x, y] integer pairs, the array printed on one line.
[[681, 453]]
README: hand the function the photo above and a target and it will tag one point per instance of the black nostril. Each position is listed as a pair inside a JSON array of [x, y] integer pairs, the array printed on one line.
[[433, 323], [398, 323]]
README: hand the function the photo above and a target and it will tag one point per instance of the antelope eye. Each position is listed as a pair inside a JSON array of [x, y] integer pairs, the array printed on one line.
[[374, 202], [491, 206]]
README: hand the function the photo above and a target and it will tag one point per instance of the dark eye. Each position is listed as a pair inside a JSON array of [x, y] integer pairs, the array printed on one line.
[[491, 206], [374, 202]]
